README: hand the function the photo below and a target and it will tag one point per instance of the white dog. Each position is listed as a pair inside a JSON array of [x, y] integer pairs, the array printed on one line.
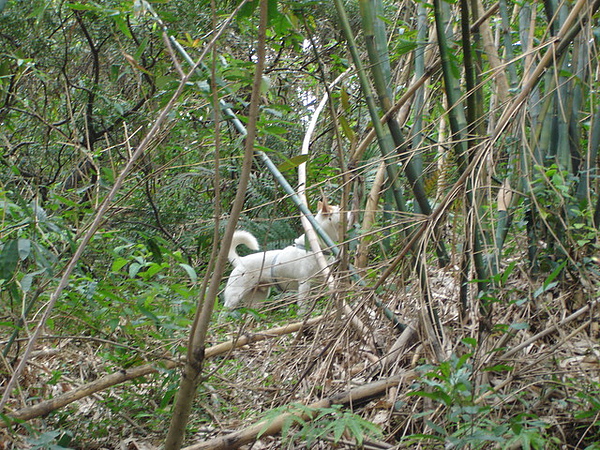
[[291, 268]]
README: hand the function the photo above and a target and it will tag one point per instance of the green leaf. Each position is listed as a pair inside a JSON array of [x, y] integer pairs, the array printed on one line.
[[134, 268], [248, 9], [149, 314], [122, 25], [499, 368], [471, 342], [118, 264], [152, 270], [439, 396], [8, 259], [436, 427], [345, 99], [27, 280], [141, 48], [346, 129], [549, 282], [84, 7], [404, 46], [292, 163], [275, 130], [24, 248], [190, 271]]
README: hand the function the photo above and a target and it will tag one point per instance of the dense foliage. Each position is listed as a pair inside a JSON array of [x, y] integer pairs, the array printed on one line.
[[462, 136]]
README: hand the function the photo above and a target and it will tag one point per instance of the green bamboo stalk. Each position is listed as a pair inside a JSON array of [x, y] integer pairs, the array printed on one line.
[[419, 98], [594, 145], [470, 71], [456, 111], [460, 127], [376, 42], [589, 169], [508, 44], [386, 147], [383, 138]]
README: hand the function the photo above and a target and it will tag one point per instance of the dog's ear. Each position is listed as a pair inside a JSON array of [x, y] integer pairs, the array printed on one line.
[[323, 206]]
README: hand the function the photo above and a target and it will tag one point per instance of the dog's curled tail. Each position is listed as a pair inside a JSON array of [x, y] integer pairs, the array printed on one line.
[[241, 237]]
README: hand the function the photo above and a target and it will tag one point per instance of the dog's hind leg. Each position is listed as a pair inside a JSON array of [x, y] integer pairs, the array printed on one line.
[[303, 297], [236, 288], [243, 287]]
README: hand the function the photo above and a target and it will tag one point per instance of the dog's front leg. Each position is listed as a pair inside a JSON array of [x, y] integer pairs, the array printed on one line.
[[303, 297]]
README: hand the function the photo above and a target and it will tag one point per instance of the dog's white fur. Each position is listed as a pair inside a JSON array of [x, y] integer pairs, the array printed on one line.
[[291, 268]]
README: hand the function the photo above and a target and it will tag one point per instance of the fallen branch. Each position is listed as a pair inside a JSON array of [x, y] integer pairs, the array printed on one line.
[[47, 406], [219, 349], [263, 428], [107, 381]]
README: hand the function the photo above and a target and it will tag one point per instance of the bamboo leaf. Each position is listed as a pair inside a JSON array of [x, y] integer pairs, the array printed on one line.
[[348, 132], [292, 163], [190, 272]]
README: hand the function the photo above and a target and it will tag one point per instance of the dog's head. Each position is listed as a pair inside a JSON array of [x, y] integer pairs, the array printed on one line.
[[329, 217]]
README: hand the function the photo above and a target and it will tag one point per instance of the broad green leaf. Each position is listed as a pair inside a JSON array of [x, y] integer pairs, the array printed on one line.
[[118, 264], [121, 23], [8, 259], [544, 288], [24, 248], [275, 130], [248, 8], [84, 7], [134, 268], [27, 280], [472, 342], [141, 48], [152, 270]]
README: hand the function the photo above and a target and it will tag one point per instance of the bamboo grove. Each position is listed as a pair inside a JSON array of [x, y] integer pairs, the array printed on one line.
[[460, 136]]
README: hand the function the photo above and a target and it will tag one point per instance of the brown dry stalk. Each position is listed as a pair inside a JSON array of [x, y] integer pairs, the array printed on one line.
[[123, 375], [263, 428], [362, 252]]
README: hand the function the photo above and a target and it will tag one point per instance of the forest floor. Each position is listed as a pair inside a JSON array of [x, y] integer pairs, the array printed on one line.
[[532, 376]]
